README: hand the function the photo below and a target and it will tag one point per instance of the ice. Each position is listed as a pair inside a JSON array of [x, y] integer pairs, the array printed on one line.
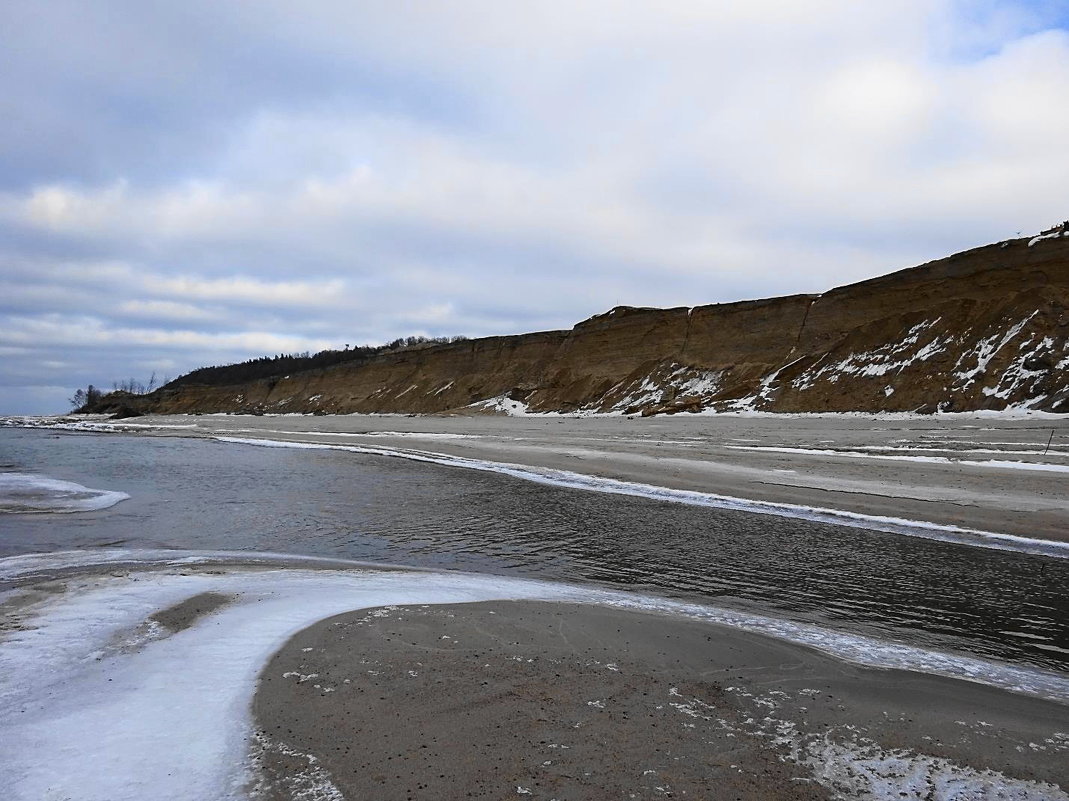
[[340, 434], [853, 766], [853, 454], [24, 493], [572, 480], [866, 772], [170, 720], [1010, 465], [91, 712]]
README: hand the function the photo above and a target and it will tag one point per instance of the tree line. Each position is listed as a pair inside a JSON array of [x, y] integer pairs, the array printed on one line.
[[256, 369], [286, 363]]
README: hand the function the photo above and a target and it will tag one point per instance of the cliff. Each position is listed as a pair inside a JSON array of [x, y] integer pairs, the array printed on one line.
[[983, 329]]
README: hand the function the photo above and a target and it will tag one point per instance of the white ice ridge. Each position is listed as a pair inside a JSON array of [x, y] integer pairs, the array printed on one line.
[[95, 706], [855, 454], [33, 493], [87, 717], [572, 480]]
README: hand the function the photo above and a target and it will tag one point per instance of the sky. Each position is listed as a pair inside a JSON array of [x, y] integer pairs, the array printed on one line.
[[194, 183]]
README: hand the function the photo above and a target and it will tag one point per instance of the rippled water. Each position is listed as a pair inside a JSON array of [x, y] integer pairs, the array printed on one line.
[[208, 495]]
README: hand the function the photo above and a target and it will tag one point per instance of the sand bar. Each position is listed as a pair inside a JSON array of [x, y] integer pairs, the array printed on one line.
[[140, 675], [556, 700]]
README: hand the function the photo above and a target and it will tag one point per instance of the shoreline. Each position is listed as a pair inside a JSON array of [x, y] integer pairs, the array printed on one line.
[[557, 700], [568, 479], [350, 675], [23, 573], [974, 473]]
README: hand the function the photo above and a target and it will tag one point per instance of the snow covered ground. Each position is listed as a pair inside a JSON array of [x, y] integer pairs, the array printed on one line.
[[101, 701], [26, 493]]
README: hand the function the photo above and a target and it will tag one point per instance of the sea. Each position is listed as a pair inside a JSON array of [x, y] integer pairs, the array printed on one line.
[[92, 491]]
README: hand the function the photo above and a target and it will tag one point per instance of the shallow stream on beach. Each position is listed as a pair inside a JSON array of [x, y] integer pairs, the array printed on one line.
[[206, 495]]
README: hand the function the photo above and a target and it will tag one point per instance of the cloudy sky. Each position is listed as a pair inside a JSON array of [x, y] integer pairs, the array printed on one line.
[[202, 182]]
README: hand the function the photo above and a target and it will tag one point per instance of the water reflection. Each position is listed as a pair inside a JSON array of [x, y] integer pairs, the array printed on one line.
[[200, 494]]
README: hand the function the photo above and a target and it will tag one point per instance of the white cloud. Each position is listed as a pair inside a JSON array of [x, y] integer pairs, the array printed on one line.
[[353, 171], [239, 289], [165, 310], [75, 333]]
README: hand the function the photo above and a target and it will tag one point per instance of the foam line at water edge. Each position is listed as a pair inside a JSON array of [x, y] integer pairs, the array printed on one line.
[[98, 703], [573, 480]]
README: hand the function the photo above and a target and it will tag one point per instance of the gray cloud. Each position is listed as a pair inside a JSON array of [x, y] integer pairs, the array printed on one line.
[[183, 184]]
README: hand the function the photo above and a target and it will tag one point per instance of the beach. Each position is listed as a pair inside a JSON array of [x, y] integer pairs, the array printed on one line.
[[199, 676], [990, 473], [544, 700], [639, 632]]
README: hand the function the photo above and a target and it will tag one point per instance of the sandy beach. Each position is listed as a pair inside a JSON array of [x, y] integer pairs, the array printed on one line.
[[166, 671], [989, 473], [550, 700], [185, 674]]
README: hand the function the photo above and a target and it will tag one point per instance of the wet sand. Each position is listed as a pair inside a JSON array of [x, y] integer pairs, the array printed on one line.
[[549, 700], [185, 614], [942, 470]]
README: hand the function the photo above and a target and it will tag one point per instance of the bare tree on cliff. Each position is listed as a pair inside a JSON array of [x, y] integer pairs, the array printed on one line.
[[85, 399]]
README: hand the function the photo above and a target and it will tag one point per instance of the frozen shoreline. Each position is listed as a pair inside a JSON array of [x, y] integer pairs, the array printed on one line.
[[124, 705], [573, 480], [913, 468], [31, 493]]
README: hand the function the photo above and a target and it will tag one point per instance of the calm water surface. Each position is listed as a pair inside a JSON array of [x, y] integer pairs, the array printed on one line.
[[200, 494]]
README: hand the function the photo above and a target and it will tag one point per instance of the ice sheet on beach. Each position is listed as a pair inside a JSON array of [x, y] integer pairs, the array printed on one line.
[[853, 453], [95, 704], [87, 717], [572, 480], [26, 493]]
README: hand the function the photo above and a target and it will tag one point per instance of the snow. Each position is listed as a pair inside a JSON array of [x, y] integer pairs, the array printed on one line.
[[92, 709], [866, 772], [503, 404], [893, 357], [702, 384], [572, 480], [33, 493], [853, 454], [986, 349], [853, 766], [406, 434], [667, 380], [169, 720], [750, 403], [1008, 465], [1051, 235]]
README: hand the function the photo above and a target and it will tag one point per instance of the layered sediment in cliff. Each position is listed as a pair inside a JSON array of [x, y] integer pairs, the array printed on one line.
[[983, 329]]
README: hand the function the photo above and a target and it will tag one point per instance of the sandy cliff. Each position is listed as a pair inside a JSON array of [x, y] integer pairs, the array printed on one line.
[[983, 329]]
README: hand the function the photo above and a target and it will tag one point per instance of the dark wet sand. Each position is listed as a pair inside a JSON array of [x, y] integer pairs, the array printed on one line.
[[181, 616], [546, 700]]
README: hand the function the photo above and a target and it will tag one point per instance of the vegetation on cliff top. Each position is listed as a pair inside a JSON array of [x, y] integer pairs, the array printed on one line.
[[92, 399]]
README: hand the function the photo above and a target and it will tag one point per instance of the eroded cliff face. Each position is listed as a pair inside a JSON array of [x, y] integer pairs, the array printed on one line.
[[983, 329]]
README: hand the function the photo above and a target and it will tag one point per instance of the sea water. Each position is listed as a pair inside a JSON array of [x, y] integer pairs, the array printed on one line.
[[203, 495]]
